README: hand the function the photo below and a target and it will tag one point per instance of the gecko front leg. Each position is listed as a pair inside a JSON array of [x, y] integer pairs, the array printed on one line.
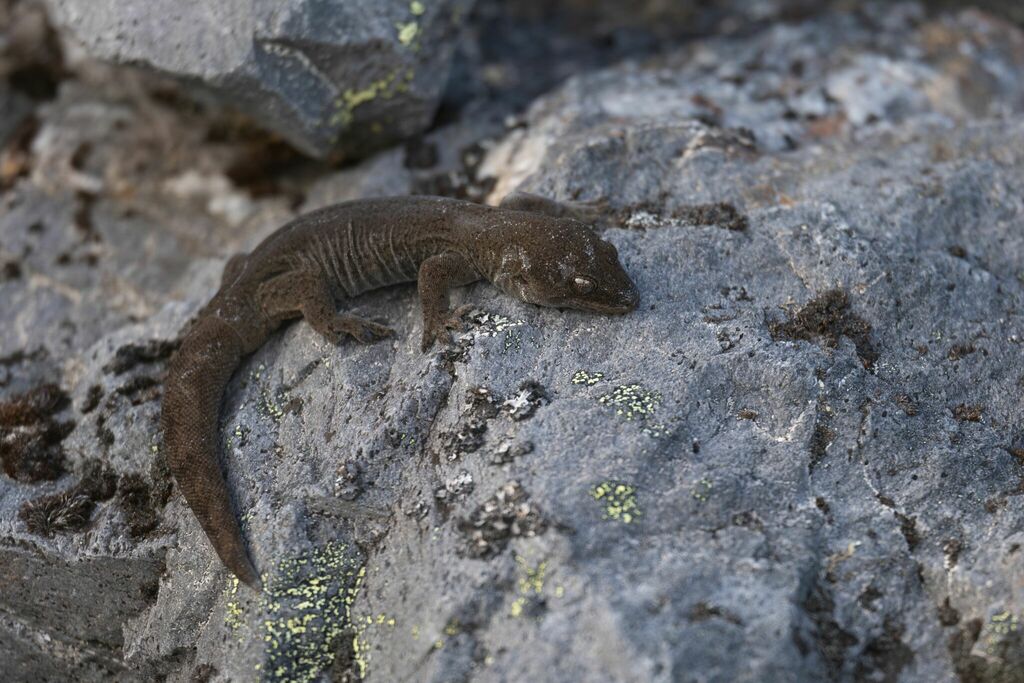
[[304, 293], [438, 274]]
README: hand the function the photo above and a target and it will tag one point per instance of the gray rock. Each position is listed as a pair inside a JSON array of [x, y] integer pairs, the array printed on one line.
[[333, 78], [800, 460]]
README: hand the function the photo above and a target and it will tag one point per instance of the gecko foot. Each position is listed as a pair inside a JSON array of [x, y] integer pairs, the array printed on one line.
[[587, 211], [437, 330], [362, 330]]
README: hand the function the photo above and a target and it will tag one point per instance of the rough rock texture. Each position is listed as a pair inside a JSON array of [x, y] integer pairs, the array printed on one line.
[[802, 459], [331, 77]]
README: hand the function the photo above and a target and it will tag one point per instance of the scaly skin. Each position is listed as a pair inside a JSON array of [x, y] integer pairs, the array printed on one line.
[[531, 248]]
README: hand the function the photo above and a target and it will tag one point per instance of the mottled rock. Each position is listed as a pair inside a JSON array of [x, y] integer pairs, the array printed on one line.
[[332, 77], [799, 460]]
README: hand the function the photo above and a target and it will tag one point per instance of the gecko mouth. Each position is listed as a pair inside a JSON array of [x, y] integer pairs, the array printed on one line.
[[617, 308], [607, 309]]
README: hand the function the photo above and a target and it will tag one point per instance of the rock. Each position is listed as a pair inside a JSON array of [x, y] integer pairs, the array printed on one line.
[[804, 446], [333, 78]]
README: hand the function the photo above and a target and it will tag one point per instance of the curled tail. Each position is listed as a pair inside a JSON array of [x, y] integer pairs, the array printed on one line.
[[198, 374]]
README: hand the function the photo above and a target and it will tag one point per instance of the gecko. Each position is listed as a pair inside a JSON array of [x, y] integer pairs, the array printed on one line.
[[532, 248]]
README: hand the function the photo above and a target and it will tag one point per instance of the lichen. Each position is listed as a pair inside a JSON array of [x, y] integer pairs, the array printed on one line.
[[1001, 626], [530, 585], [702, 489], [386, 88], [304, 613], [587, 378], [407, 32], [632, 402], [618, 500], [233, 612]]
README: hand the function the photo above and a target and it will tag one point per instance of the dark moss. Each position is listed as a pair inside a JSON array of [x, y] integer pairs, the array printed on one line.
[[966, 413], [505, 515], [908, 527], [204, 673], [821, 437], [884, 656], [132, 355], [1018, 453], [103, 433], [994, 504], [98, 481], [92, 399], [702, 611], [906, 404], [161, 484], [480, 406], [869, 597], [31, 437], [136, 501], [828, 317], [140, 389], [70, 511], [948, 615], [958, 351], [463, 183], [825, 508], [747, 519], [33, 407], [11, 270], [722, 214], [829, 638]]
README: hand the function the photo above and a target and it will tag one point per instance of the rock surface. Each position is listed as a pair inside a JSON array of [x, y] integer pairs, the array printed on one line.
[[333, 77], [802, 459]]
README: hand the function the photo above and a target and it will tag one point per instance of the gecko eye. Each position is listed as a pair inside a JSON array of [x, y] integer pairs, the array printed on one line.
[[583, 285]]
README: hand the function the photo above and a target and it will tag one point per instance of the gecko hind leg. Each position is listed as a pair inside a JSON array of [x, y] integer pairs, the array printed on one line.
[[585, 211], [296, 293]]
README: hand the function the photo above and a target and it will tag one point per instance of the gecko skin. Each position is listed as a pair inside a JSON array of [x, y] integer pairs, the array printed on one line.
[[532, 248]]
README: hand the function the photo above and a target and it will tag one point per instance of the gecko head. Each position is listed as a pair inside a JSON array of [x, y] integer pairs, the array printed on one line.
[[565, 265]]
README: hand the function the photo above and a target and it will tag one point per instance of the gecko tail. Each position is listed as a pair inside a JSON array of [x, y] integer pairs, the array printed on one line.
[[196, 379]]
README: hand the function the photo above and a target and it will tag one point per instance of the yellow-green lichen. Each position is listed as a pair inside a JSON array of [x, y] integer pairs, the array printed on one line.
[[232, 609], [307, 608], [618, 499], [530, 584], [587, 378], [1000, 627], [360, 642], [417, 8], [271, 403], [352, 98], [702, 489], [238, 436], [632, 402], [407, 32]]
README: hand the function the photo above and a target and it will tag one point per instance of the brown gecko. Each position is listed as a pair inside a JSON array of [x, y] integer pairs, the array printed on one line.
[[532, 248]]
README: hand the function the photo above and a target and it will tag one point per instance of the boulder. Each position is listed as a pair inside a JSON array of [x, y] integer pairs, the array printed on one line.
[[336, 78]]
